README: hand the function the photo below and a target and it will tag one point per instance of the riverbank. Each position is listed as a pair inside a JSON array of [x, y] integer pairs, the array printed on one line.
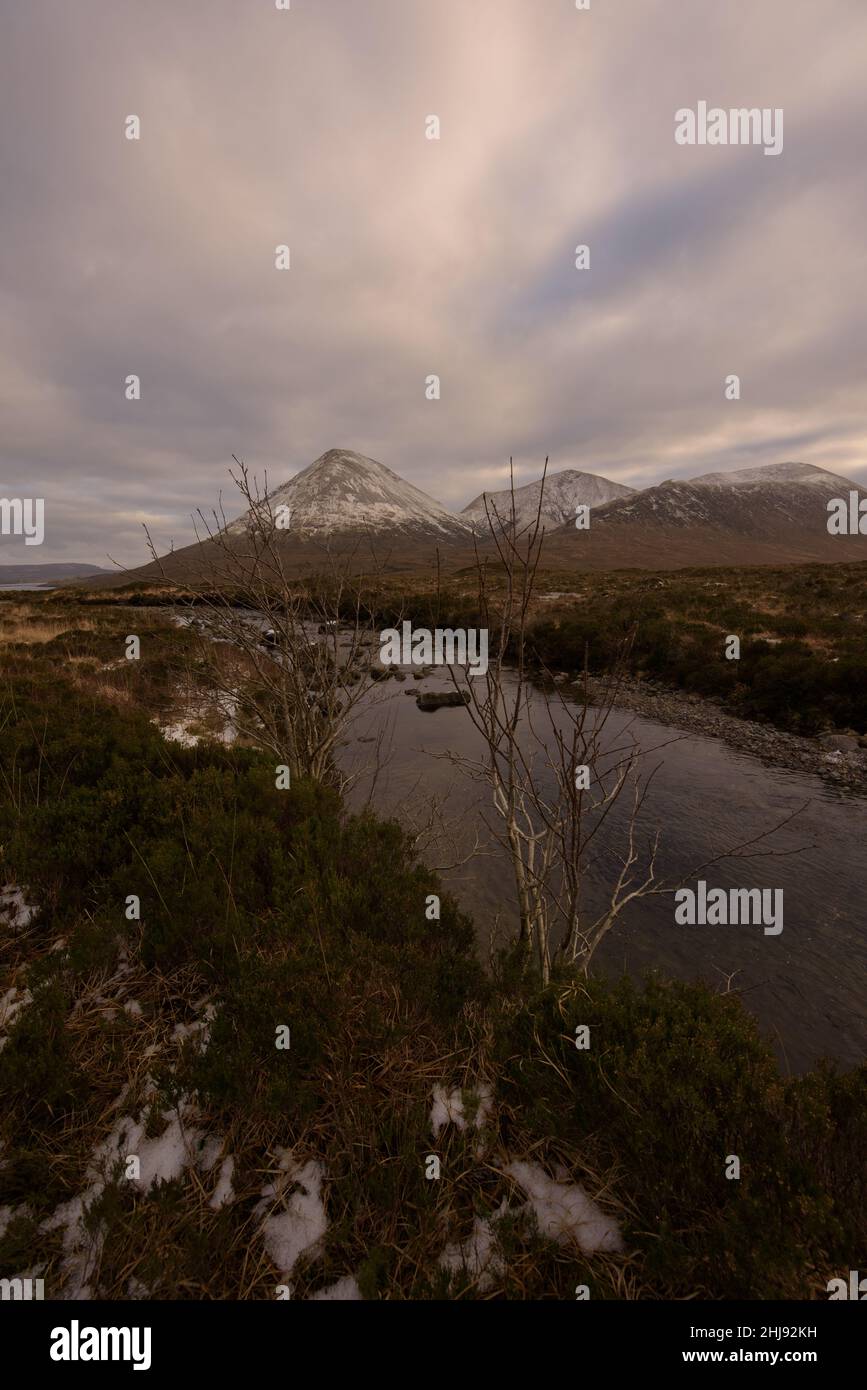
[[844, 767]]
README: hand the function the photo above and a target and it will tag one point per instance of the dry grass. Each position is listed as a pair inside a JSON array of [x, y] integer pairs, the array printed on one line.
[[29, 622]]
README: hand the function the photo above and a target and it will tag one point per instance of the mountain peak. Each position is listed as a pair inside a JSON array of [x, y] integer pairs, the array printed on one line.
[[564, 491], [346, 492], [808, 474]]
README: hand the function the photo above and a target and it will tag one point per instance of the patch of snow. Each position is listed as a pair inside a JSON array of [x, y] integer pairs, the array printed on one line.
[[161, 1160], [178, 733], [11, 1004], [15, 911], [563, 1210], [133, 1008], [180, 730], [81, 1248], [448, 1107], [164, 1159], [224, 1191], [200, 1028], [302, 1224], [479, 1254]]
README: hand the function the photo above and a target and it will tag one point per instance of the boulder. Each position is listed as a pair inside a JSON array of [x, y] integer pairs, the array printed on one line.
[[447, 699], [839, 743]]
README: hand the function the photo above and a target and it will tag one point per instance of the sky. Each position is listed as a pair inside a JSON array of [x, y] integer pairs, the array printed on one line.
[[412, 257]]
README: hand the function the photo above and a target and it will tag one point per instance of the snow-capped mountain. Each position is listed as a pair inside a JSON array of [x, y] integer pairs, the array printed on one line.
[[804, 474], [774, 502], [344, 492], [563, 493], [770, 515]]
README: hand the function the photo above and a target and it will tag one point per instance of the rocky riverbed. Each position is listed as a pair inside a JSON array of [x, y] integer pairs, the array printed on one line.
[[840, 758]]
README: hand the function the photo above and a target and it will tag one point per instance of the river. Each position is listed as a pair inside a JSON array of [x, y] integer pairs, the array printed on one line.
[[807, 986]]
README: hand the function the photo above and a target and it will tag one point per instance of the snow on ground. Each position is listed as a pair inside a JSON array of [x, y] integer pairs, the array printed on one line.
[[563, 1210], [11, 1004], [479, 1254], [200, 1028], [164, 1158], [181, 730], [302, 1223], [81, 1248], [224, 1191], [15, 911], [449, 1107], [178, 733]]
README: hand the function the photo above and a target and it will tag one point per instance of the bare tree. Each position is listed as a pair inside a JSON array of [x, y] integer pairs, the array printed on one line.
[[303, 650], [558, 773]]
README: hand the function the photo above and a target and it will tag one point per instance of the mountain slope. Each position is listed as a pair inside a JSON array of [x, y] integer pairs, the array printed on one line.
[[563, 493], [347, 504], [768, 503], [342, 504], [346, 493], [806, 474], [775, 514], [44, 574]]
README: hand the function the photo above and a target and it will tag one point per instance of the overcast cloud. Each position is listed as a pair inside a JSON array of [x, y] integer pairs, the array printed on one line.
[[412, 257]]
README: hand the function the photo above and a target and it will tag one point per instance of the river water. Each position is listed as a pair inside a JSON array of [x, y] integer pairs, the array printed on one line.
[[807, 986], [26, 588]]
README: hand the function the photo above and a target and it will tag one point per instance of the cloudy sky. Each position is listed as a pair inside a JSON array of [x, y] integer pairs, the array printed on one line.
[[412, 257]]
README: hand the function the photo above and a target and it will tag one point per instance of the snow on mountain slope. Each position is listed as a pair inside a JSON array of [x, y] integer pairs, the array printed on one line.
[[804, 474], [344, 492], [770, 503], [563, 493]]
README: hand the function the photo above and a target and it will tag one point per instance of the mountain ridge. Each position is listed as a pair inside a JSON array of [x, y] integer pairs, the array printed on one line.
[[346, 492], [773, 514], [564, 491]]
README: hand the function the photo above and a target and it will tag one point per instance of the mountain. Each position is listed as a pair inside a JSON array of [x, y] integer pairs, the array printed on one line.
[[45, 574], [807, 474], [344, 493], [343, 503], [563, 493], [348, 504], [775, 514], [767, 503]]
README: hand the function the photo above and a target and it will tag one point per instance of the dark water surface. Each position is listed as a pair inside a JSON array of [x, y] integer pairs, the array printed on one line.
[[807, 986], [26, 588]]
